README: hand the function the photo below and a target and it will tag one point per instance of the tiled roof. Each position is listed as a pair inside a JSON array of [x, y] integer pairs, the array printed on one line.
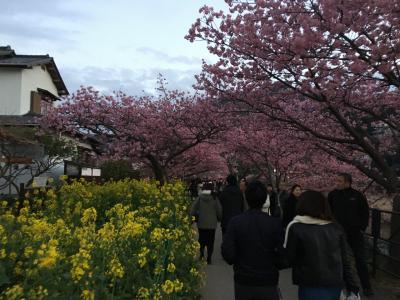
[[29, 120], [9, 59], [24, 61]]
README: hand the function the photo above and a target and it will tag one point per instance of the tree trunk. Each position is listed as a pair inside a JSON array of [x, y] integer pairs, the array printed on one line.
[[395, 235], [159, 171]]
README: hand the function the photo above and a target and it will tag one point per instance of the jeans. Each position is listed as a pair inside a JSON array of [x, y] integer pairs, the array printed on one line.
[[319, 293]]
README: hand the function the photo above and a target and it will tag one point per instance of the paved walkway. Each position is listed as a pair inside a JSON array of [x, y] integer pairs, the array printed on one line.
[[219, 282]]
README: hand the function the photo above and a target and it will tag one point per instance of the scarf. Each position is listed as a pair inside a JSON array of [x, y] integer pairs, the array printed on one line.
[[304, 220]]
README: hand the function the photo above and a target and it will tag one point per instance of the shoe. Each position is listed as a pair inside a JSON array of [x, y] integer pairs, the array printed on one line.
[[368, 292], [208, 261]]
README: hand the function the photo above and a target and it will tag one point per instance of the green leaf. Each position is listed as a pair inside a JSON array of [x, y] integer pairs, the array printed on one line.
[[3, 276]]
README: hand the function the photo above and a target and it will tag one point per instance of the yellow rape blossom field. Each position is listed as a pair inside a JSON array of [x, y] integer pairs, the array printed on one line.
[[119, 240]]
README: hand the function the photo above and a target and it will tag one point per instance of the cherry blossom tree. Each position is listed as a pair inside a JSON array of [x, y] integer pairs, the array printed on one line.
[[205, 159], [158, 131], [329, 70], [282, 156]]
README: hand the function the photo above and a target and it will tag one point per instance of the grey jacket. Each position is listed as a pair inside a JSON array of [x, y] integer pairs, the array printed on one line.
[[208, 211]]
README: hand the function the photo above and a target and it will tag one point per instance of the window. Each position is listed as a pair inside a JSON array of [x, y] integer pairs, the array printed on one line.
[[40, 103], [36, 100]]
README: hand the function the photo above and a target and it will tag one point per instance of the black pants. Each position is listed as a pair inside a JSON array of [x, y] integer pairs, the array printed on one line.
[[223, 230], [355, 238], [243, 292], [206, 239]]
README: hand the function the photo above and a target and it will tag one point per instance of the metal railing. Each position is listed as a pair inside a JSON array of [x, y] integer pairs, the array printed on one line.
[[385, 238]]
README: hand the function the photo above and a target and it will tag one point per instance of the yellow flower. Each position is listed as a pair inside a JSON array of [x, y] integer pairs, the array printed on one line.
[[156, 235], [50, 193], [163, 217], [168, 287], [194, 272], [3, 253], [89, 216], [87, 295], [80, 264], [13, 255], [39, 293], [107, 232], [143, 293], [24, 211], [142, 261], [158, 269], [178, 285], [18, 268], [15, 292], [116, 269], [48, 255], [131, 229], [142, 256], [28, 251], [171, 268], [157, 295]]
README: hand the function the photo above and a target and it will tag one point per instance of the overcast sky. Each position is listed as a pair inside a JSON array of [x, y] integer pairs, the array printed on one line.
[[111, 45]]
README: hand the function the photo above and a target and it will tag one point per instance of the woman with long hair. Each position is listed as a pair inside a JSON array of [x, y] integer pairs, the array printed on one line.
[[316, 249]]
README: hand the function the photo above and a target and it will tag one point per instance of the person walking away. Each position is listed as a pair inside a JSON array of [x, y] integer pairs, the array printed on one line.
[[252, 244], [193, 189], [283, 195], [220, 184], [316, 249], [232, 202], [242, 186], [208, 211], [289, 208], [350, 209], [271, 203]]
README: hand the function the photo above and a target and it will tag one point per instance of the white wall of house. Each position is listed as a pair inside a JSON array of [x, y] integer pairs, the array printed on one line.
[[34, 78], [10, 91]]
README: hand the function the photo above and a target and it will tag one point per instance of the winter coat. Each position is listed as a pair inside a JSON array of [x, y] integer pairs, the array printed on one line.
[[207, 210], [271, 205], [350, 209], [289, 210], [253, 244], [318, 255], [232, 203]]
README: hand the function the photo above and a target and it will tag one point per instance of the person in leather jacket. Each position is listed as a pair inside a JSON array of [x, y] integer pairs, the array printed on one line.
[[317, 250]]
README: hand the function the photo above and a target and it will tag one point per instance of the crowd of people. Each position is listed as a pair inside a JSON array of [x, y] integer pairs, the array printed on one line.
[[265, 231]]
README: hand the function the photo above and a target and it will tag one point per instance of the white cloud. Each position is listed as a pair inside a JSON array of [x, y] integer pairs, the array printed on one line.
[[131, 82], [160, 55]]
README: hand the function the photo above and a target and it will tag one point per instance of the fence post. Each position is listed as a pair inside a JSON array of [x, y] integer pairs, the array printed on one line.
[[376, 234], [21, 191]]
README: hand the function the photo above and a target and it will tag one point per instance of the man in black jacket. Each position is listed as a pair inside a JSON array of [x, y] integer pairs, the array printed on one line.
[[350, 209], [252, 244], [232, 202]]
